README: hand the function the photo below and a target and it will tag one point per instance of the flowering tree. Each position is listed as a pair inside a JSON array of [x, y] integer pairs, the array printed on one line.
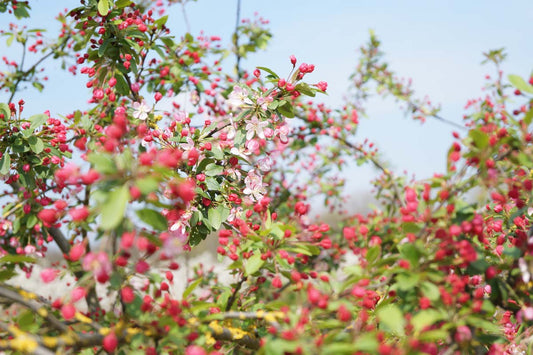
[[126, 186]]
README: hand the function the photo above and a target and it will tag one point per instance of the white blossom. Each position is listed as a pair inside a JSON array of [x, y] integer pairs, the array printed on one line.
[[254, 186], [141, 110], [255, 127], [238, 97]]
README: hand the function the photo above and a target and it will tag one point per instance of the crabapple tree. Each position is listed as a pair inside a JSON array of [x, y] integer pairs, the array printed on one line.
[[128, 185]]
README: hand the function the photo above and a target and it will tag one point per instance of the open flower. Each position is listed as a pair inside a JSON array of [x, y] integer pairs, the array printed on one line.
[[255, 127], [238, 98], [254, 186], [141, 110]]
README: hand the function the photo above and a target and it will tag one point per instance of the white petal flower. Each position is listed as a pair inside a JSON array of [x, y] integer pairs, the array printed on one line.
[[141, 110], [238, 98], [254, 186], [255, 127]]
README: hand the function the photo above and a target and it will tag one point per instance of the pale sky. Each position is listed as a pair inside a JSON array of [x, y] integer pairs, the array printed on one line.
[[438, 44]]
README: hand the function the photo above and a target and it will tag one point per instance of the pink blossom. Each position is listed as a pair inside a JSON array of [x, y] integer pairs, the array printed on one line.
[[49, 275]]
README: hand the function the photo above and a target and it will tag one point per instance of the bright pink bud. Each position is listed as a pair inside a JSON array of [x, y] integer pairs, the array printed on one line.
[[195, 350], [293, 60], [49, 275], [128, 295], [110, 342], [79, 214], [76, 251], [48, 217], [68, 311], [77, 294]]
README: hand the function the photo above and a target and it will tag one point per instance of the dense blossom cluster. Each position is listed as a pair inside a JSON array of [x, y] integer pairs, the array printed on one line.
[[173, 152]]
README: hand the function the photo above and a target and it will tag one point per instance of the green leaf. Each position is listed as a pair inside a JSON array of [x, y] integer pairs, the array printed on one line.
[[410, 227], [38, 85], [191, 287], [161, 21], [513, 252], [122, 3], [367, 343], [5, 164], [372, 254], [213, 170], [481, 139], [147, 184], [217, 216], [11, 258], [153, 218], [286, 109], [305, 89], [112, 211], [37, 121], [410, 252], [10, 40], [407, 281], [520, 83], [25, 320], [306, 249], [269, 71], [391, 318], [4, 109], [103, 7], [253, 264], [212, 184], [102, 163], [339, 348], [36, 144], [6, 274], [477, 267], [430, 290], [484, 324], [433, 335], [425, 318]]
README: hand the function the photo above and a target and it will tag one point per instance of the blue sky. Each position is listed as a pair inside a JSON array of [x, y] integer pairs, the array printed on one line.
[[438, 44]]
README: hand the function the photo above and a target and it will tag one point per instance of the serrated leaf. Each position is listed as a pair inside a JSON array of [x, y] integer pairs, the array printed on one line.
[[11, 258], [112, 211], [253, 264], [102, 163], [4, 109], [269, 71], [25, 320], [339, 348], [191, 287], [407, 281], [305, 89], [122, 3], [286, 109], [212, 184], [425, 318], [409, 252], [37, 121], [520, 83], [372, 254], [147, 184], [38, 85], [391, 318], [213, 170], [430, 290], [481, 139], [5, 164], [217, 216], [103, 7], [36, 144], [153, 218], [433, 335]]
